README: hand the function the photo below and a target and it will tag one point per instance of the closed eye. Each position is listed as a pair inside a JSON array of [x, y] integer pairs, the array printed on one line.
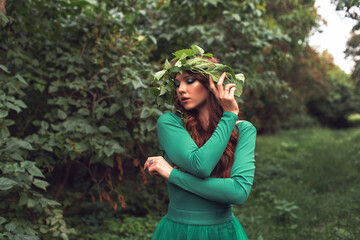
[[190, 80]]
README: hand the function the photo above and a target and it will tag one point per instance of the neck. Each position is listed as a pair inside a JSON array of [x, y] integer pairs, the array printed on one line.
[[204, 115]]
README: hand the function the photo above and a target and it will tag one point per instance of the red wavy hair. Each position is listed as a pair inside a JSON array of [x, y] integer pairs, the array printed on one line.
[[201, 135]]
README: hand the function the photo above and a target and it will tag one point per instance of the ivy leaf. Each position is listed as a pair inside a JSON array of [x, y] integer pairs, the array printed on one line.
[[6, 183], [197, 50], [178, 54], [167, 65], [114, 108], [182, 59], [193, 61], [238, 90], [160, 74], [154, 91], [240, 77], [162, 90]]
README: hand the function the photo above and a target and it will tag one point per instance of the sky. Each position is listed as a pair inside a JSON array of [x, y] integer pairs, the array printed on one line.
[[335, 34]]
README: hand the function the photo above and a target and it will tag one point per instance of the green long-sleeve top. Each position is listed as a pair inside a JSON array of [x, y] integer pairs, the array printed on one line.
[[195, 196]]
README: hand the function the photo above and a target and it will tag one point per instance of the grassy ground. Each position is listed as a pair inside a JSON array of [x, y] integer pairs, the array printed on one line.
[[307, 186]]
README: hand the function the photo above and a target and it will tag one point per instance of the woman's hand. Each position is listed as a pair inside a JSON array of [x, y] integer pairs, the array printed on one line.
[[158, 165], [225, 96]]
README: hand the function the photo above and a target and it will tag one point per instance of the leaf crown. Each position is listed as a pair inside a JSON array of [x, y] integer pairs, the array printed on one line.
[[194, 60]]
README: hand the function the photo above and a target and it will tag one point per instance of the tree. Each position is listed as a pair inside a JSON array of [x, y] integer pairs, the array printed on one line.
[[352, 10]]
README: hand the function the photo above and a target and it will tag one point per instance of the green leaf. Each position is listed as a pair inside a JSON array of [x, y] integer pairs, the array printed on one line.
[[6, 183], [108, 151], [48, 202], [20, 103], [23, 144], [25, 237], [40, 183], [240, 77], [167, 65], [16, 156], [64, 236], [114, 108], [84, 111], [11, 226], [109, 162], [197, 50], [3, 19], [193, 61], [3, 113], [105, 129], [35, 171], [117, 148], [154, 91], [61, 114], [238, 90], [31, 203], [2, 67], [178, 54], [162, 90], [160, 74], [2, 220], [13, 107], [21, 79], [144, 113]]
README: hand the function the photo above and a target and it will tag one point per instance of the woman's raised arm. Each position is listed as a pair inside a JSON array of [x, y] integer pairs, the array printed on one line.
[[183, 151]]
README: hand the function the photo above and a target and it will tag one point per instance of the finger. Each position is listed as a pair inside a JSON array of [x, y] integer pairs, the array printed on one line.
[[228, 87], [232, 92], [219, 84], [145, 164], [212, 86]]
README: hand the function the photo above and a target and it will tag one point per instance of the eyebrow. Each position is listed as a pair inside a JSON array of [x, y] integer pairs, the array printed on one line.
[[186, 76]]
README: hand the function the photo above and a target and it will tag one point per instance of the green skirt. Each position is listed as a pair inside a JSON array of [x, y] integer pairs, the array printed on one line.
[[167, 229]]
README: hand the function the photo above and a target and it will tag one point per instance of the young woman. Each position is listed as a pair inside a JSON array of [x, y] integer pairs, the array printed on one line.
[[208, 161]]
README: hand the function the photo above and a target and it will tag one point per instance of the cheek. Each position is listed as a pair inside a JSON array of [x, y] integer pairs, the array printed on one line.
[[200, 90]]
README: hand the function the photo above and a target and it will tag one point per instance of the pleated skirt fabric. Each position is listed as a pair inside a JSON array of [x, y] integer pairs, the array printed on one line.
[[170, 230]]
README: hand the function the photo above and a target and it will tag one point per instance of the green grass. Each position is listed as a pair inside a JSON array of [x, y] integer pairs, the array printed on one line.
[[307, 186]]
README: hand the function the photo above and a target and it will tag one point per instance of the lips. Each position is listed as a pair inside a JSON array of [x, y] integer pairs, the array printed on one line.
[[184, 99]]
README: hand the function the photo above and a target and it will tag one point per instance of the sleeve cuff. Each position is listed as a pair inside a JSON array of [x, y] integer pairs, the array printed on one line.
[[173, 174], [230, 114]]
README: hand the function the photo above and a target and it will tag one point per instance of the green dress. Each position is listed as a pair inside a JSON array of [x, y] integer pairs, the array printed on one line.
[[200, 205]]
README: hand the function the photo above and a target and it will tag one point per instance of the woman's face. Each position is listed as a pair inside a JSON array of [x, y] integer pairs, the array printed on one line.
[[191, 93]]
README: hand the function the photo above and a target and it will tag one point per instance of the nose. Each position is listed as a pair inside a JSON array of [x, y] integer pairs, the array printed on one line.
[[182, 88]]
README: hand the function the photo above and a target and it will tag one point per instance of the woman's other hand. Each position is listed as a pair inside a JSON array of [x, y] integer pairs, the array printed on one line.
[[158, 165], [225, 96]]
